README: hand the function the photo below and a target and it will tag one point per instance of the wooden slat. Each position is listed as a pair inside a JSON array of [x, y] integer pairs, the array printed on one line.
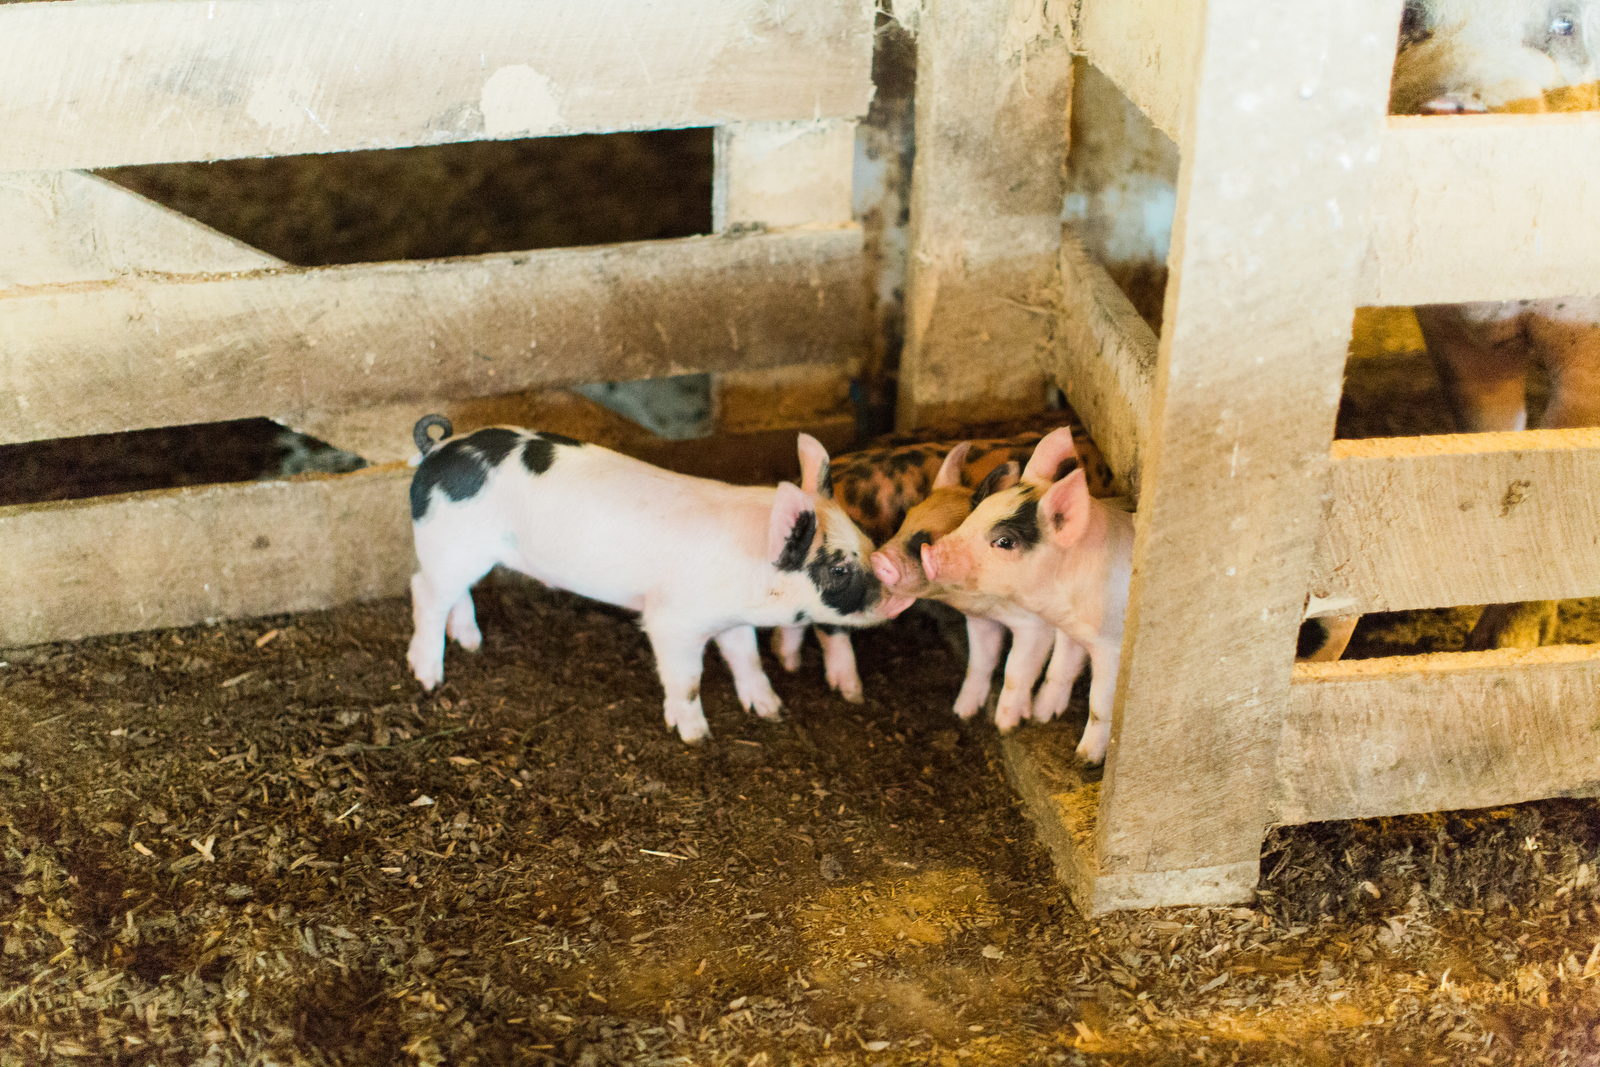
[[63, 226], [986, 194], [1105, 360], [1485, 207], [1489, 518], [1429, 733], [96, 84], [179, 556], [1149, 48], [1268, 243], [105, 358], [777, 174]]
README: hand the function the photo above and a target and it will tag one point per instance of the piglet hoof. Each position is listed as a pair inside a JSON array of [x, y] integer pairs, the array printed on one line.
[[1092, 749], [848, 687], [429, 670], [1010, 711], [970, 701], [687, 717], [471, 640], [766, 705], [1046, 709]]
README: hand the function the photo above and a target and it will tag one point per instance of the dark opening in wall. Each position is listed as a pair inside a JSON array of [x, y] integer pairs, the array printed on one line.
[[447, 200]]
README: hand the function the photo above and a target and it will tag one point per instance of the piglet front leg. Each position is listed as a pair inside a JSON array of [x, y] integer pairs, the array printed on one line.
[[1030, 644], [984, 638], [1102, 691], [738, 648], [679, 657], [839, 662], [786, 641], [1066, 662]]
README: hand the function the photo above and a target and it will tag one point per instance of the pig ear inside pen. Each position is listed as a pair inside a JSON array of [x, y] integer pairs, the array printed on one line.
[[1294, 200]]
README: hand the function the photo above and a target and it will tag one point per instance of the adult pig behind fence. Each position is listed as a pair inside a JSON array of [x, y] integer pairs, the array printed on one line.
[[1474, 56], [698, 559]]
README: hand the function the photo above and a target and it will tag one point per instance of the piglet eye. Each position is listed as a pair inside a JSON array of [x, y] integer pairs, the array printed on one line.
[[1562, 26], [840, 570], [1004, 543]]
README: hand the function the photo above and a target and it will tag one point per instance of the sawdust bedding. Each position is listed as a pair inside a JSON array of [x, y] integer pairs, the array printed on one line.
[[256, 842]]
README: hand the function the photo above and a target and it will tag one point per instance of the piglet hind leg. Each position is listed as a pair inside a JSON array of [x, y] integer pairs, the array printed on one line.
[[786, 641], [679, 657], [738, 648], [462, 624], [1066, 663], [839, 663], [437, 596], [1030, 646], [984, 639]]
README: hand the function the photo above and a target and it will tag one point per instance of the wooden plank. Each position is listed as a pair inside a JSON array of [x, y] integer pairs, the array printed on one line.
[[98, 84], [180, 556], [1062, 798], [1268, 243], [1486, 518], [1431, 733], [986, 189], [145, 352], [776, 174], [1105, 361], [1485, 207], [63, 226], [1149, 48]]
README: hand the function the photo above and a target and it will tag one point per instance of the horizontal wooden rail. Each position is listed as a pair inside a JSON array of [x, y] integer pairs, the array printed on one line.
[[105, 84], [143, 352], [1149, 48], [1105, 360], [180, 556], [1426, 522], [1365, 738], [1485, 207]]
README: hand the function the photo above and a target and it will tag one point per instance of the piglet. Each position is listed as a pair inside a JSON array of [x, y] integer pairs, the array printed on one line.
[[1049, 547], [698, 559], [898, 564]]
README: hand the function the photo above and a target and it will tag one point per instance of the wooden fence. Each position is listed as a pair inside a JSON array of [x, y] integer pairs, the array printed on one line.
[[117, 314]]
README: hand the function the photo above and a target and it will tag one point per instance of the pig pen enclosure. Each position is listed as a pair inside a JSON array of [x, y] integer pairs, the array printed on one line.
[[254, 841]]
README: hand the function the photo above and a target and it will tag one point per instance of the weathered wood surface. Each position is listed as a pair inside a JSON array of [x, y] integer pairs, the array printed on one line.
[[1105, 361], [63, 226], [1062, 800], [1488, 518], [180, 556], [96, 84], [1149, 48], [147, 352], [1485, 207], [1248, 377], [1428, 733], [777, 174], [986, 189]]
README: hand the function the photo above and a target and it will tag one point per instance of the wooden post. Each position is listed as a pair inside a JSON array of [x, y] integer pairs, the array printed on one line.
[[986, 189]]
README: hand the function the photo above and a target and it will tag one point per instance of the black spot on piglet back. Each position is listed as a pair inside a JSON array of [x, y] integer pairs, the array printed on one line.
[[460, 466], [793, 556], [419, 432], [540, 451], [494, 444]]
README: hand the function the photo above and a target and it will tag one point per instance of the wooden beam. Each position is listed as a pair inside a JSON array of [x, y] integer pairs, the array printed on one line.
[[1149, 48], [1430, 733], [1105, 361], [1486, 518], [986, 191], [776, 174], [108, 84], [1485, 207], [147, 352], [1267, 247], [181, 556], [63, 226]]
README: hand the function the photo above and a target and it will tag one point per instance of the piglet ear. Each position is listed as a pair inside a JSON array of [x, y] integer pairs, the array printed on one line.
[[1044, 467], [1002, 477], [1064, 509], [814, 475], [791, 528], [950, 470]]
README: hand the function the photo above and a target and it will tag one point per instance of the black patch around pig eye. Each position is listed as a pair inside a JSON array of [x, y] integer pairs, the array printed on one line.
[[914, 546], [845, 585], [793, 556], [456, 466], [1022, 525]]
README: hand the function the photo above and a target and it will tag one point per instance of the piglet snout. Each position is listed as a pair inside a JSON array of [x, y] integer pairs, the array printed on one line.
[[929, 567], [885, 569]]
